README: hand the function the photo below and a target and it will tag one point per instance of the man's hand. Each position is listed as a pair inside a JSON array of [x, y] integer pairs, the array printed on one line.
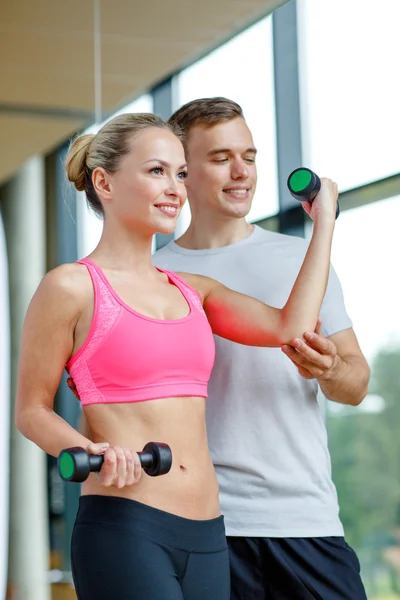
[[72, 387], [314, 358]]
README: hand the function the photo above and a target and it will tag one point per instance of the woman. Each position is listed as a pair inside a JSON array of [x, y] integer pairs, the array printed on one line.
[[138, 343]]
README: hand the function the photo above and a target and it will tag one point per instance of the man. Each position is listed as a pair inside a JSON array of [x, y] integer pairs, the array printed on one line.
[[266, 434]]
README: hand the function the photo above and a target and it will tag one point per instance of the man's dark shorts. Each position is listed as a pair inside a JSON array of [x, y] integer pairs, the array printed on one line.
[[294, 569]]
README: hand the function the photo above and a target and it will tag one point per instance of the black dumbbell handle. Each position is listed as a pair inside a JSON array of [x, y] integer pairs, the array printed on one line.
[[96, 461]]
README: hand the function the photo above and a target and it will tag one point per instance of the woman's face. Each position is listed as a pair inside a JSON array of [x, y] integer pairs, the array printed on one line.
[[148, 190]]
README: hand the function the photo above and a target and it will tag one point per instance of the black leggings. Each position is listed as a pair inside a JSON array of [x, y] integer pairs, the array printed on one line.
[[125, 550]]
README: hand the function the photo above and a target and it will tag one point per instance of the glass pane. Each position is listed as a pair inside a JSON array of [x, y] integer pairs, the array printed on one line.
[[364, 441], [89, 226], [242, 70], [348, 61]]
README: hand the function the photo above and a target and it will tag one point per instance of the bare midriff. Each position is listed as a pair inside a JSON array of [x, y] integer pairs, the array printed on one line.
[[190, 489]]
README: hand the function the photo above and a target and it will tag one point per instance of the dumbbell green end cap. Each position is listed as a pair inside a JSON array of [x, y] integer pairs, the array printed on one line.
[[299, 180], [66, 465]]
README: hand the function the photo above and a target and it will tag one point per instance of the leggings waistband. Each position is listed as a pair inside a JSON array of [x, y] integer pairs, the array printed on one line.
[[161, 526]]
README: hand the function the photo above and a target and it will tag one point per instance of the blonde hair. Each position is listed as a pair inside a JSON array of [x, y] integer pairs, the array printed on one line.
[[105, 149]]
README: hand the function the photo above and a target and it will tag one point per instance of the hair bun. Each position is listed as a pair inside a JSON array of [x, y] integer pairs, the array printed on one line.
[[75, 163]]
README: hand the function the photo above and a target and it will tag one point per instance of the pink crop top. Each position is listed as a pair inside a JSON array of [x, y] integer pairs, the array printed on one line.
[[129, 357]]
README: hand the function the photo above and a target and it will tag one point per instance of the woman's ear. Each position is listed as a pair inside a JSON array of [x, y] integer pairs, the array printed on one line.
[[102, 184]]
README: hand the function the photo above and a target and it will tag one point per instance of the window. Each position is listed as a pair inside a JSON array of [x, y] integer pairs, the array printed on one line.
[[350, 97], [242, 69]]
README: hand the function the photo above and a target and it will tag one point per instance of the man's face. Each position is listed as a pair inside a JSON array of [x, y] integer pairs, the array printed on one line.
[[222, 174]]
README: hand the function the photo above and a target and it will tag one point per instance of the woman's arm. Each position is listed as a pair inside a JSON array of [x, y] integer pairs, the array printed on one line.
[[46, 345], [246, 320]]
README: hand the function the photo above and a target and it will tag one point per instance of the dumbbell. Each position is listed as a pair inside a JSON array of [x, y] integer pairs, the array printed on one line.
[[75, 464], [304, 185]]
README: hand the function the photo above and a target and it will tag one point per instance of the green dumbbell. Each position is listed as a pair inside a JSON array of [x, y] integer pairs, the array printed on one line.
[[75, 464], [304, 185]]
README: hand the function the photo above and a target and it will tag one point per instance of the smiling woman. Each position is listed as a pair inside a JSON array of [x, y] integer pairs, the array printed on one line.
[[125, 331]]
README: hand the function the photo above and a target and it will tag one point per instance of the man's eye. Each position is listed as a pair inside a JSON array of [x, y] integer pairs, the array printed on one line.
[[220, 160]]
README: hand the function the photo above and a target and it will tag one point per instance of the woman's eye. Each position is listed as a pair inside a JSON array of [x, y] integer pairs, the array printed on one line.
[[157, 170], [182, 175]]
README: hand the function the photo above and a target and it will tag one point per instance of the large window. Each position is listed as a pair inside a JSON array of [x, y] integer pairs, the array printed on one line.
[[364, 441], [89, 226], [349, 60], [242, 70]]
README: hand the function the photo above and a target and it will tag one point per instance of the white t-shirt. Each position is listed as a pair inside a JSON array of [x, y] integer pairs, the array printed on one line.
[[266, 433]]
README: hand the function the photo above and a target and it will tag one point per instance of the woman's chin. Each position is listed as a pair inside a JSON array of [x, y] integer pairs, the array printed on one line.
[[166, 228]]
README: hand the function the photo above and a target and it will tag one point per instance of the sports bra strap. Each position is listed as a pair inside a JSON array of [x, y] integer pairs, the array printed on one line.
[[191, 295]]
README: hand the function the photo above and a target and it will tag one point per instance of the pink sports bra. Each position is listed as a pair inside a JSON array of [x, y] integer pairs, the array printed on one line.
[[129, 357]]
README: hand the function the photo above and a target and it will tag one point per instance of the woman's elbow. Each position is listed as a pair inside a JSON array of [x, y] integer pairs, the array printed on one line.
[[289, 332], [292, 326], [21, 422], [24, 419]]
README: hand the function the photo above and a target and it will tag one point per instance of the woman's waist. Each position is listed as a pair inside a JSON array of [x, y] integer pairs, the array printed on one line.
[[190, 486], [189, 489]]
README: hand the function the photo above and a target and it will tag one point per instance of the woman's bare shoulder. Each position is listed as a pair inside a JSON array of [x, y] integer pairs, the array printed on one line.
[[68, 283], [201, 283]]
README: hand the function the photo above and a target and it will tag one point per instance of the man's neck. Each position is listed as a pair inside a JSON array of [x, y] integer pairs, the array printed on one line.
[[214, 234]]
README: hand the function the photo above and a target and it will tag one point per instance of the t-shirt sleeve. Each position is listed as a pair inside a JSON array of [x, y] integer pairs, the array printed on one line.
[[333, 310]]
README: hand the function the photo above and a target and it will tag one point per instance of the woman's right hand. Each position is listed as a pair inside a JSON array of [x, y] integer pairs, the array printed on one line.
[[121, 467], [325, 202]]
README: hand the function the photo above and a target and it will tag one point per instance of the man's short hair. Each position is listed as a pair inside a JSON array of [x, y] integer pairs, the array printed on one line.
[[206, 112]]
